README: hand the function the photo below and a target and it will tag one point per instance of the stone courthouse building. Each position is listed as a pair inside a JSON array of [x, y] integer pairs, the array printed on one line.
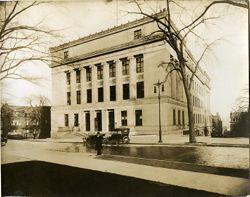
[[107, 80]]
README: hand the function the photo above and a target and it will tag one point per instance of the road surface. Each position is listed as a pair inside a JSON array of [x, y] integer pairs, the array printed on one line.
[[32, 168]]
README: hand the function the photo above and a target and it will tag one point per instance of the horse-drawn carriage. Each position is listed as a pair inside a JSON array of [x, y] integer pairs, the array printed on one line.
[[117, 136]]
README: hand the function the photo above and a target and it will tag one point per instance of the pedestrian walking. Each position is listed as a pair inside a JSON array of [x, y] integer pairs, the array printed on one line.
[[98, 144]]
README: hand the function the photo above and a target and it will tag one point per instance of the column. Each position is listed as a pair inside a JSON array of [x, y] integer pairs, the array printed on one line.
[[131, 116], [105, 120], [132, 77], [106, 81], [117, 118], [82, 121], [118, 80], [92, 120], [83, 86], [73, 86], [94, 83]]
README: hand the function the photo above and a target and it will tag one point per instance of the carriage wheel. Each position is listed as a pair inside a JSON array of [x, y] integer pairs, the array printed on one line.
[[125, 139]]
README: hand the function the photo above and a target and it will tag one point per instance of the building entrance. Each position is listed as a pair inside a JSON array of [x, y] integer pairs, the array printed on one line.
[[98, 121], [111, 120]]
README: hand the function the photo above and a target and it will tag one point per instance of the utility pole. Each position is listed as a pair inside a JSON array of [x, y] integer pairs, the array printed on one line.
[[158, 84]]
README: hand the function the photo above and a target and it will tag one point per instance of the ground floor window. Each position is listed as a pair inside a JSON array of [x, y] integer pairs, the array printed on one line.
[[174, 120], [76, 120], [124, 118], [138, 117], [66, 120], [179, 117], [87, 121]]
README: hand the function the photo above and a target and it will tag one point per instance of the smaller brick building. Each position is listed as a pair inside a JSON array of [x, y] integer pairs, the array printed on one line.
[[28, 120], [239, 124]]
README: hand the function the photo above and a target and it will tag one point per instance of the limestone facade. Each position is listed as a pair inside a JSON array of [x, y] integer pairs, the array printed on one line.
[[107, 80]]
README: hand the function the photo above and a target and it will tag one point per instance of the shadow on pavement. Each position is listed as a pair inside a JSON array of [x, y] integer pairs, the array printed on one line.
[[242, 173], [35, 178]]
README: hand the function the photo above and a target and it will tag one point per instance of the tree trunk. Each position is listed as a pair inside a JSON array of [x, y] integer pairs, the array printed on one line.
[[192, 138]]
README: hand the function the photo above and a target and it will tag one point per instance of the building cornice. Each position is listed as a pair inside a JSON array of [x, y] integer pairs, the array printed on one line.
[[105, 33], [131, 44]]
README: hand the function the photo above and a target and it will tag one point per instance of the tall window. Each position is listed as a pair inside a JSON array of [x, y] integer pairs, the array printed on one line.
[[89, 95], [174, 120], [78, 97], [76, 120], [124, 118], [99, 71], [100, 94], [162, 87], [68, 78], [139, 63], [125, 66], [137, 34], [112, 93], [65, 54], [111, 69], [140, 89], [87, 121], [88, 74], [125, 91], [78, 76], [66, 120], [179, 117], [138, 117], [68, 98]]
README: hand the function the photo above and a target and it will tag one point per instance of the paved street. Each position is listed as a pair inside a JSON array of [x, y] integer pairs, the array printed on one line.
[[45, 151], [177, 139]]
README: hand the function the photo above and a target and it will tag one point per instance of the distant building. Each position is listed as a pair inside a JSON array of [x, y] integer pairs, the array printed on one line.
[[239, 124], [216, 125], [25, 123], [106, 80]]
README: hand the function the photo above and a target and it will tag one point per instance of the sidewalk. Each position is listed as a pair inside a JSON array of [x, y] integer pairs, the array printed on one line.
[[172, 139], [225, 185], [177, 139]]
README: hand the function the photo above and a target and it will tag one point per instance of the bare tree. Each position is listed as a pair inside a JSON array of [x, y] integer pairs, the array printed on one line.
[[21, 44], [242, 102], [177, 39], [36, 103]]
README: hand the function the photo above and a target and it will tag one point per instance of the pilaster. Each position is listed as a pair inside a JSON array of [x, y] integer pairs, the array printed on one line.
[[106, 81], [118, 80], [73, 87], [92, 120], [132, 77], [94, 83], [117, 118], [83, 86], [105, 120]]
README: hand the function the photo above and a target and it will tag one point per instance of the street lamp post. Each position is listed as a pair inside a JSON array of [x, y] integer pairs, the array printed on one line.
[[158, 84]]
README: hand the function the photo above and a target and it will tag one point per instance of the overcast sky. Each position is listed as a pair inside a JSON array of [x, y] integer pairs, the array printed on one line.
[[226, 63]]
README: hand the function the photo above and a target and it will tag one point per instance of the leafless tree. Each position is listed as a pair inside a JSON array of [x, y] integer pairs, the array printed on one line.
[[36, 104], [242, 102], [21, 44], [176, 37]]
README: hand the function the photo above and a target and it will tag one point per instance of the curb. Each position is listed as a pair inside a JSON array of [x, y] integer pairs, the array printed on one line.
[[156, 144]]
